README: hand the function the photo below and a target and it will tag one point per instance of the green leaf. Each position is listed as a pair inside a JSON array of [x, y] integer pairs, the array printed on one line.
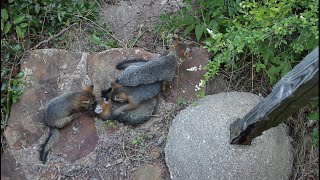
[[315, 135], [188, 29], [214, 25], [20, 33], [95, 39], [4, 14], [37, 8], [314, 103], [19, 19], [134, 142], [259, 67], [23, 25], [16, 47], [2, 24], [20, 75], [313, 116], [7, 27], [14, 99], [199, 29], [59, 18]]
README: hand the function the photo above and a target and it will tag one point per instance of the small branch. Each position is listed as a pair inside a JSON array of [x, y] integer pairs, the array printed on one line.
[[47, 40]]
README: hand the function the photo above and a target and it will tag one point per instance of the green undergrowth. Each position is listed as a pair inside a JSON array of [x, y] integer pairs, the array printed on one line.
[[272, 36], [36, 24]]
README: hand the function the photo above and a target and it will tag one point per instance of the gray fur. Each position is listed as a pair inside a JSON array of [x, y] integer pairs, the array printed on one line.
[[53, 138], [149, 72], [137, 116], [60, 112], [141, 92], [60, 107]]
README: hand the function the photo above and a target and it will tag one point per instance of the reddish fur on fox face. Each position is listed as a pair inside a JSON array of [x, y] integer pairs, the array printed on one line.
[[116, 86], [106, 109]]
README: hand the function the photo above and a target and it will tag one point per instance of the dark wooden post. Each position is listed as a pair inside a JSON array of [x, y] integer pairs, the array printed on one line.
[[292, 92]]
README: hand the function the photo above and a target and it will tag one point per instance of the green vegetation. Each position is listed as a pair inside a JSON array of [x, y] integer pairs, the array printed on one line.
[[33, 24], [272, 35], [138, 140], [181, 102]]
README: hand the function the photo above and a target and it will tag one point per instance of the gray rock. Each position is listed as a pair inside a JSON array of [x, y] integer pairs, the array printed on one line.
[[148, 172], [198, 143]]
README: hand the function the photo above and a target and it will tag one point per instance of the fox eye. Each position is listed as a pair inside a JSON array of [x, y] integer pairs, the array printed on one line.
[[105, 101]]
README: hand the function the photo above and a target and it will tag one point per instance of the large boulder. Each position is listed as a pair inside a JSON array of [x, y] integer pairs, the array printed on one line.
[[198, 143]]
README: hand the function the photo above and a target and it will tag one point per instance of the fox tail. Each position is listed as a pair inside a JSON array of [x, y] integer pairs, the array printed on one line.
[[49, 142], [126, 63]]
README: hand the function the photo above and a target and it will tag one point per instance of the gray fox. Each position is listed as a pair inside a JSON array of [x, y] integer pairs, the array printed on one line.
[[148, 72], [128, 98], [140, 71], [106, 107], [133, 96], [61, 111]]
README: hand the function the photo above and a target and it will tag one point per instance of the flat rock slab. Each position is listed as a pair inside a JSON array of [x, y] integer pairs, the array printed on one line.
[[198, 143], [48, 73], [184, 83]]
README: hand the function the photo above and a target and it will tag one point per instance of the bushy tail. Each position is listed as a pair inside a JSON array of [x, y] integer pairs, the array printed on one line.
[[49, 142], [126, 63]]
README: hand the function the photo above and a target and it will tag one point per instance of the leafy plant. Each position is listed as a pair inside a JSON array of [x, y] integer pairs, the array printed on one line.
[[13, 88], [273, 35], [181, 102], [276, 34], [98, 38], [138, 140], [196, 18]]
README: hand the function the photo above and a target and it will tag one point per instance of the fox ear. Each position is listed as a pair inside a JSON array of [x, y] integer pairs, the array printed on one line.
[[175, 43], [88, 88]]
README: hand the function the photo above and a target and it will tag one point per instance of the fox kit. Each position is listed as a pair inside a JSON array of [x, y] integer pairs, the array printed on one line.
[[140, 71], [149, 72], [133, 96], [60, 111], [105, 110]]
